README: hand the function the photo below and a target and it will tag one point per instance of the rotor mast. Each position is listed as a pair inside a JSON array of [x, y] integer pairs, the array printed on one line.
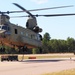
[[4, 19]]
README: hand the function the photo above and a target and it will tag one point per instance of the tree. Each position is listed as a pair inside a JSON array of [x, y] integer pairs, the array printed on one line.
[[45, 41], [46, 37], [71, 44], [54, 45]]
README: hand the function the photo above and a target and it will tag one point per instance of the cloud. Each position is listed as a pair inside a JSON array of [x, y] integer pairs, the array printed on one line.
[[40, 1]]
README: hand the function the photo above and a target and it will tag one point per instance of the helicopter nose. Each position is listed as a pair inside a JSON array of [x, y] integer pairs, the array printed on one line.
[[2, 33]]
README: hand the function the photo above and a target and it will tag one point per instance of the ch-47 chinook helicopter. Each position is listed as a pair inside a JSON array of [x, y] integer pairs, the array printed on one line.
[[16, 36]]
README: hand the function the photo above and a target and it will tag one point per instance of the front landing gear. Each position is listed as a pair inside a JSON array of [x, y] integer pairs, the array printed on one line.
[[22, 50]]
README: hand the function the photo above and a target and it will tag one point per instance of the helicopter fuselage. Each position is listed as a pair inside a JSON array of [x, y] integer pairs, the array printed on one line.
[[14, 35], [19, 36]]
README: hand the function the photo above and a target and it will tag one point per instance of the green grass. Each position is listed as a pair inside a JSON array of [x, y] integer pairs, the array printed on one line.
[[65, 72], [41, 57], [54, 56]]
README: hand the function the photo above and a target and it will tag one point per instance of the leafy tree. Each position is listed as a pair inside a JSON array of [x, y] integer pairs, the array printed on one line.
[[54, 45], [45, 41], [46, 37], [71, 44], [36, 51]]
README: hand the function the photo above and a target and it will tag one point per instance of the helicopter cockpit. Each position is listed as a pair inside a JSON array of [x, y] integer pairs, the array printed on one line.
[[4, 29]]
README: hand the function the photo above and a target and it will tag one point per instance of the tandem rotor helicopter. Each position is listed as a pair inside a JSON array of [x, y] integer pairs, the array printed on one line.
[[16, 36]]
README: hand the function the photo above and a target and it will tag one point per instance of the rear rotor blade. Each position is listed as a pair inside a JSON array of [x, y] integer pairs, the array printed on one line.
[[53, 15], [47, 15]]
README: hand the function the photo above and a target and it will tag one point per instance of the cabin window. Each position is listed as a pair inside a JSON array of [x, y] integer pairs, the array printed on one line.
[[38, 37], [0, 27], [33, 36], [16, 31], [8, 28], [21, 33], [26, 34]]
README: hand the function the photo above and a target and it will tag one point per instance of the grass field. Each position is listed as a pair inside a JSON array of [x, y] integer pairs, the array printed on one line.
[[66, 72], [41, 56]]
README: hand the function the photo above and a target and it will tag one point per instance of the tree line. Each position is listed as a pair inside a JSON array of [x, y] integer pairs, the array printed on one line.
[[56, 45]]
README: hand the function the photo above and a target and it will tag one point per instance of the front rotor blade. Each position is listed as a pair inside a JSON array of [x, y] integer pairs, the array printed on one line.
[[24, 9], [42, 9], [51, 8]]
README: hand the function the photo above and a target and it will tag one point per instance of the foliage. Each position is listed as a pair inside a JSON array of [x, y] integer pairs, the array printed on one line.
[[33, 51], [46, 37], [45, 42], [57, 46], [70, 44], [36, 51]]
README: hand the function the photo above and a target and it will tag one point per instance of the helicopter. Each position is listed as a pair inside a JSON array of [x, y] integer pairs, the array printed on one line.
[[16, 36]]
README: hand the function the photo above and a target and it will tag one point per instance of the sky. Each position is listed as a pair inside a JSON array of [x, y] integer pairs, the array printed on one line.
[[57, 27]]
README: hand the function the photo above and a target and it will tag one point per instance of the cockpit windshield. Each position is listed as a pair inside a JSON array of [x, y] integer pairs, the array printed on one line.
[[4, 27]]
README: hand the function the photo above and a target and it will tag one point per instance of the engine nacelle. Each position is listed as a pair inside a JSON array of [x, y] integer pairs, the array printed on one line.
[[31, 23], [37, 29]]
